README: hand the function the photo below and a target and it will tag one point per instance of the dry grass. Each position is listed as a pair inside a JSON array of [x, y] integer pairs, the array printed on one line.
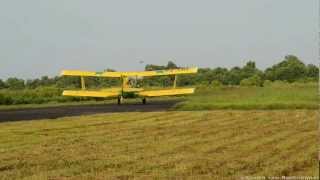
[[202, 145]]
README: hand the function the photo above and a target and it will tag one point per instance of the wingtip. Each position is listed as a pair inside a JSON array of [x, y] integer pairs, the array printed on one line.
[[62, 73], [194, 69]]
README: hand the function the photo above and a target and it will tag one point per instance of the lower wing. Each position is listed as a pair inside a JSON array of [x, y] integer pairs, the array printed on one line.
[[166, 92], [83, 93], [117, 92]]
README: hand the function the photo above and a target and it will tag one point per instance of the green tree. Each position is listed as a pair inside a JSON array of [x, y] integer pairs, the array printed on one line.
[[290, 69], [313, 71], [233, 77], [187, 80], [32, 84], [171, 65], [250, 70], [217, 74], [152, 67], [68, 82], [2, 84], [47, 81], [15, 83], [159, 81]]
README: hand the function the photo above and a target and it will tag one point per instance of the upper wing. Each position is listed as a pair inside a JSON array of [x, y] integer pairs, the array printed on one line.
[[139, 74], [161, 72], [89, 73]]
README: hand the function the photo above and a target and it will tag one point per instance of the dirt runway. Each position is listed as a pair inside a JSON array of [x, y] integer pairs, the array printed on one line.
[[57, 112]]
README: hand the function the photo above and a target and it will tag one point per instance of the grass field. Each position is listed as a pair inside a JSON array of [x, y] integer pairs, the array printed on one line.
[[198, 145], [275, 96]]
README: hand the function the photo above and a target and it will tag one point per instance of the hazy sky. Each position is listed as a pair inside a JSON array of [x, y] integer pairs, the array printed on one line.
[[42, 37]]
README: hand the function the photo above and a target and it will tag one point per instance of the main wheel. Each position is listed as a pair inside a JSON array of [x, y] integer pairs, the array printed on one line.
[[144, 101], [120, 100]]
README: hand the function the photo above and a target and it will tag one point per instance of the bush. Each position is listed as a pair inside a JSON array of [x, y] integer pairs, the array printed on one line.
[[252, 81], [1, 99], [306, 80], [304, 84], [48, 92], [279, 83], [5, 100], [203, 84], [267, 83], [216, 83]]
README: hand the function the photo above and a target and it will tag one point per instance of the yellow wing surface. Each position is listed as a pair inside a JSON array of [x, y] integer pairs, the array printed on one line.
[[142, 93], [166, 92], [110, 92], [84, 93], [128, 74]]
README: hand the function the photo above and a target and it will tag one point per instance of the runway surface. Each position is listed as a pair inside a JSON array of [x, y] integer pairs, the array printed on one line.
[[57, 112]]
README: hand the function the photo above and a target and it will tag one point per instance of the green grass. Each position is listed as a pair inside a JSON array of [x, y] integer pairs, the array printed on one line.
[[299, 96], [162, 145]]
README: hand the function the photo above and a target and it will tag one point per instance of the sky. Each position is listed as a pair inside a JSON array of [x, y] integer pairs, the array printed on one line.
[[43, 37]]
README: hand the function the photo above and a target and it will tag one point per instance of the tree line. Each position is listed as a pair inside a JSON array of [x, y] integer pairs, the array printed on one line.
[[290, 69]]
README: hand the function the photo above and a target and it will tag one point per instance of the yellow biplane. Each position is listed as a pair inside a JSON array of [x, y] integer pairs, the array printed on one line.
[[126, 90]]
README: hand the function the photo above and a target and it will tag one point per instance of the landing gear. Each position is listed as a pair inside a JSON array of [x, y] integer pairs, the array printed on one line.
[[120, 100], [144, 101]]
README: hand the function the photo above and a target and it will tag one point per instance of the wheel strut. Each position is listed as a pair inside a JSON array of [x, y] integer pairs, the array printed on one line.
[[144, 101], [120, 100]]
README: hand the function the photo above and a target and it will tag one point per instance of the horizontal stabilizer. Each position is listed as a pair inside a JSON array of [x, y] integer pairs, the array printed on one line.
[[166, 92]]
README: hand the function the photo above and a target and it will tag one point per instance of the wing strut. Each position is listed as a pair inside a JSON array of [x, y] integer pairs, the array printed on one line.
[[175, 81], [83, 83]]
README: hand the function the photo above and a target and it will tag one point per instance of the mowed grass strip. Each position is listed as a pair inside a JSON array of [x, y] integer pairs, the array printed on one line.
[[274, 96], [200, 144]]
